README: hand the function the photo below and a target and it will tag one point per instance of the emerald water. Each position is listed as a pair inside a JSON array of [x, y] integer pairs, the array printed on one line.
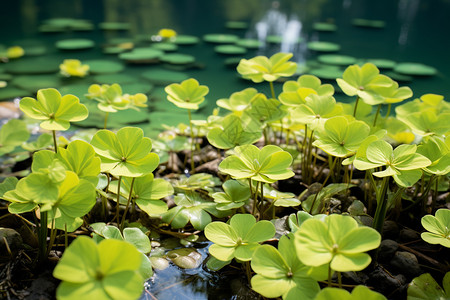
[[412, 31]]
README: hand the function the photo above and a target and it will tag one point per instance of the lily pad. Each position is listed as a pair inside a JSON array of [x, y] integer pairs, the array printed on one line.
[[250, 43], [5, 76], [232, 62], [40, 65], [219, 38], [236, 25], [100, 66], [417, 69], [329, 73], [11, 92], [399, 77], [165, 46], [74, 44], [164, 77], [382, 63], [274, 39], [230, 49], [35, 50], [114, 26], [114, 78], [177, 58], [368, 23], [65, 24], [322, 26], [186, 40], [33, 83], [323, 46], [157, 119], [142, 55], [335, 59]]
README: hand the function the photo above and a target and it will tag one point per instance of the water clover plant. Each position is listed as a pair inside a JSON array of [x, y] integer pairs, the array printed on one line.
[[269, 164], [111, 99], [238, 239], [279, 272], [338, 241], [438, 228], [361, 81], [235, 194], [425, 287], [261, 68], [189, 94], [56, 112], [73, 68], [108, 270], [295, 92], [231, 133], [192, 207]]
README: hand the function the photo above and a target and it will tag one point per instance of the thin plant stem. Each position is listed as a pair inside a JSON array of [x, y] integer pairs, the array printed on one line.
[[388, 111], [255, 201], [66, 237], [261, 203], [52, 237], [106, 120], [272, 90], [376, 115], [118, 200], [130, 195], [356, 106], [54, 141], [248, 271], [339, 276], [435, 194], [382, 202], [191, 129]]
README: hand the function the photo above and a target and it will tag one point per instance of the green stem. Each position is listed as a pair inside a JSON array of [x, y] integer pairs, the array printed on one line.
[[376, 115], [118, 200], [388, 111], [191, 129], [382, 203], [261, 204], [356, 106], [435, 194], [128, 204], [106, 120], [42, 237], [339, 275], [66, 237], [52, 237], [54, 141], [329, 275], [272, 90], [255, 202]]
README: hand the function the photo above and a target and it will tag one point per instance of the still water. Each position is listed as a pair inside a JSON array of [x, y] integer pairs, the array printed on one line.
[[413, 31]]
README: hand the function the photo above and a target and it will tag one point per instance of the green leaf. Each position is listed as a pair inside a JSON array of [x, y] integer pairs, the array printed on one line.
[[267, 261], [125, 153], [56, 112], [222, 253], [8, 184], [425, 287], [270, 287], [189, 94], [221, 234], [260, 232], [261, 68], [136, 237], [438, 226], [243, 224], [13, 134]]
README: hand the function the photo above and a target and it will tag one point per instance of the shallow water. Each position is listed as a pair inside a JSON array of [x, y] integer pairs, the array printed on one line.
[[415, 31]]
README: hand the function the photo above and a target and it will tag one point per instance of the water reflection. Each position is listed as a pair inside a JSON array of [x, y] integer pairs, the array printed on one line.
[[407, 12]]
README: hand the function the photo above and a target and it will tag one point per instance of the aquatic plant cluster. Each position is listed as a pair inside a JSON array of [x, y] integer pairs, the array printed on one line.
[[110, 182]]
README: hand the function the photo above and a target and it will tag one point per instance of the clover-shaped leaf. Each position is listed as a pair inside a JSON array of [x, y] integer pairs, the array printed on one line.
[[341, 137], [231, 134], [425, 287], [261, 68], [78, 157], [56, 112], [280, 271], [338, 240], [316, 110], [403, 163], [437, 150], [73, 67], [126, 153], [263, 110], [234, 195], [427, 122], [238, 101], [239, 239], [295, 92], [438, 227], [362, 81], [268, 164], [189, 94], [109, 270], [13, 134], [191, 207]]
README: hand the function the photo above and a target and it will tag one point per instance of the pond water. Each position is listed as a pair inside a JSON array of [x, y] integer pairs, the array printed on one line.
[[410, 31]]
